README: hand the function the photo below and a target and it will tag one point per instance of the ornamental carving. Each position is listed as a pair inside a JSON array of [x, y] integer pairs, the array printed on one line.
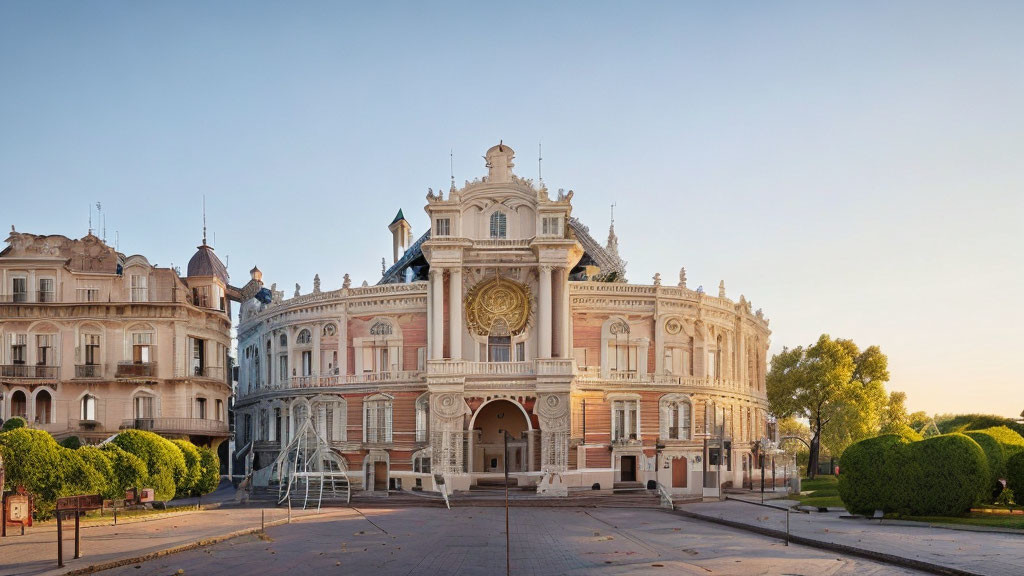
[[619, 327], [381, 328], [673, 326], [498, 303], [552, 407], [448, 405]]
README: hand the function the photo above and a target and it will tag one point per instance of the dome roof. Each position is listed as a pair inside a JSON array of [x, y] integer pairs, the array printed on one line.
[[206, 263]]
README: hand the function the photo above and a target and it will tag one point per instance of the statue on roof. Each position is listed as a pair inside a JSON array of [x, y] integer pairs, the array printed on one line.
[[657, 278], [682, 277], [316, 284], [721, 289], [297, 288], [346, 282]]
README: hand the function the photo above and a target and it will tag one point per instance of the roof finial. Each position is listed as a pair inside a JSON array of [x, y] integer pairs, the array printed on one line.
[[204, 219]]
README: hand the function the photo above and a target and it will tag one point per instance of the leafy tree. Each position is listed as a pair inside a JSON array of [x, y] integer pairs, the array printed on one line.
[[186, 483], [209, 479], [13, 423], [836, 386]]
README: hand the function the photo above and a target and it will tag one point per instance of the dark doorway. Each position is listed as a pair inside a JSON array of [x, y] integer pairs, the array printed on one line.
[[628, 467], [380, 476]]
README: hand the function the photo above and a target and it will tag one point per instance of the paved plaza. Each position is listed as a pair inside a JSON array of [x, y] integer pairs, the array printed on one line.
[[471, 541]]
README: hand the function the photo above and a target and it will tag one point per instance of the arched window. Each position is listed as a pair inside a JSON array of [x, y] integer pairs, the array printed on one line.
[[423, 418], [377, 419], [19, 404], [498, 225], [44, 407], [329, 417], [88, 408], [676, 417], [144, 406], [304, 337]]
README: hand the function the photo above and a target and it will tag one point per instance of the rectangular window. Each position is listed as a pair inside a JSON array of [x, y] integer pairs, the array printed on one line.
[[307, 363], [551, 226], [19, 289], [198, 350], [498, 348], [201, 296], [282, 363], [624, 416], [220, 410], [142, 347], [140, 288], [46, 291], [623, 359], [91, 345], [520, 352], [19, 348], [444, 227], [201, 408], [144, 407], [382, 360], [44, 350], [88, 294]]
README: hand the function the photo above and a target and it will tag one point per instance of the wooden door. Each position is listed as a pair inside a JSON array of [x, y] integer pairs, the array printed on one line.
[[628, 468], [380, 476], [679, 473]]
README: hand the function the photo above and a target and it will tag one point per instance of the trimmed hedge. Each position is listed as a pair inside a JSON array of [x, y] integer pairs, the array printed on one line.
[[209, 479], [942, 475], [48, 470], [71, 442], [127, 470], [163, 460], [996, 458], [13, 423], [868, 470], [1015, 474], [1011, 441], [185, 485]]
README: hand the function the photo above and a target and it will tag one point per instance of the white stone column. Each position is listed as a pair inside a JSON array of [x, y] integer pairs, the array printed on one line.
[[455, 312], [565, 330], [317, 331], [342, 347], [437, 315], [544, 313]]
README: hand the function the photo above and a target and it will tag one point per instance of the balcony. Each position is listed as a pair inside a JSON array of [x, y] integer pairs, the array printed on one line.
[[678, 433], [211, 372], [377, 435], [88, 371], [43, 296], [191, 426], [135, 370], [467, 368], [29, 372], [353, 379]]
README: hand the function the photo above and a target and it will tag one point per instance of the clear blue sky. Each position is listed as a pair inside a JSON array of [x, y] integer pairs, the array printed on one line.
[[853, 169]]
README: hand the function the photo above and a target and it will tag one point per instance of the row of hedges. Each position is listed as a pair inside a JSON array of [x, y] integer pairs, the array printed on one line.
[[134, 459], [942, 475]]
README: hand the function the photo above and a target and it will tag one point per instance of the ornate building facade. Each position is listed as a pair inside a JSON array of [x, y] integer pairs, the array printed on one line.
[[507, 320], [94, 341]]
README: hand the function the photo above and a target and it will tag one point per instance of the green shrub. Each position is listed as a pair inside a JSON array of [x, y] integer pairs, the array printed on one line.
[[949, 474], [868, 475], [1012, 441], [71, 443], [34, 459], [128, 470], [13, 423], [1005, 498], [1015, 473], [100, 461], [996, 458], [164, 461], [209, 479], [942, 475], [185, 485]]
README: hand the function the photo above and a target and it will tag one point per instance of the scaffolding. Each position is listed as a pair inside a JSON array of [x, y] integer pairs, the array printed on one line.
[[307, 470]]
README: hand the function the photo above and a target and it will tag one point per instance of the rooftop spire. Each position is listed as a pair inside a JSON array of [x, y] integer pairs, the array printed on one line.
[[204, 219], [613, 240]]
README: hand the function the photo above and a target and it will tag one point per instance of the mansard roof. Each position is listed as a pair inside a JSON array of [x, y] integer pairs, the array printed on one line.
[[206, 263]]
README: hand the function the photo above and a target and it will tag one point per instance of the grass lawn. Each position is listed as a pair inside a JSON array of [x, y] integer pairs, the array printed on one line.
[[974, 519], [823, 491]]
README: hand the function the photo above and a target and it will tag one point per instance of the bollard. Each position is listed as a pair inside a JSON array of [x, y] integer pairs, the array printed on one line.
[[787, 525], [289, 510], [60, 542], [78, 535], [263, 514]]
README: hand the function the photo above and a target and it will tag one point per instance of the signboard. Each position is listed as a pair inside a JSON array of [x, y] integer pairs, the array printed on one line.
[[16, 510], [80, 503], [148, 495]]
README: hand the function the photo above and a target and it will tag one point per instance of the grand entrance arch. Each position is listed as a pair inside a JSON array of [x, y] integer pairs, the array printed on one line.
[[487, 429]]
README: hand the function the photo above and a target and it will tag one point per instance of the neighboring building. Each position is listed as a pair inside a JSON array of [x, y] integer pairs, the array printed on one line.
[[94, 342], [507, 317]]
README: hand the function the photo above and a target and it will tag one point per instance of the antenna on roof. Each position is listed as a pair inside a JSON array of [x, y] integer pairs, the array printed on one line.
[[204, 219], [540, 157], [99, 220], [451, 162], [117, 240], [613, 213], [90, 219]]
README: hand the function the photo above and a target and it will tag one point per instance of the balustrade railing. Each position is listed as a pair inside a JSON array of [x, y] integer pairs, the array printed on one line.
[[135, 370], [29, 371], [88, 370], [465, 367], [176, 425]]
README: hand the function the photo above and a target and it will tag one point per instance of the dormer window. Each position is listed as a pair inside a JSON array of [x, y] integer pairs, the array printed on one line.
[[140, 288], [498, 225], [444, 227]]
